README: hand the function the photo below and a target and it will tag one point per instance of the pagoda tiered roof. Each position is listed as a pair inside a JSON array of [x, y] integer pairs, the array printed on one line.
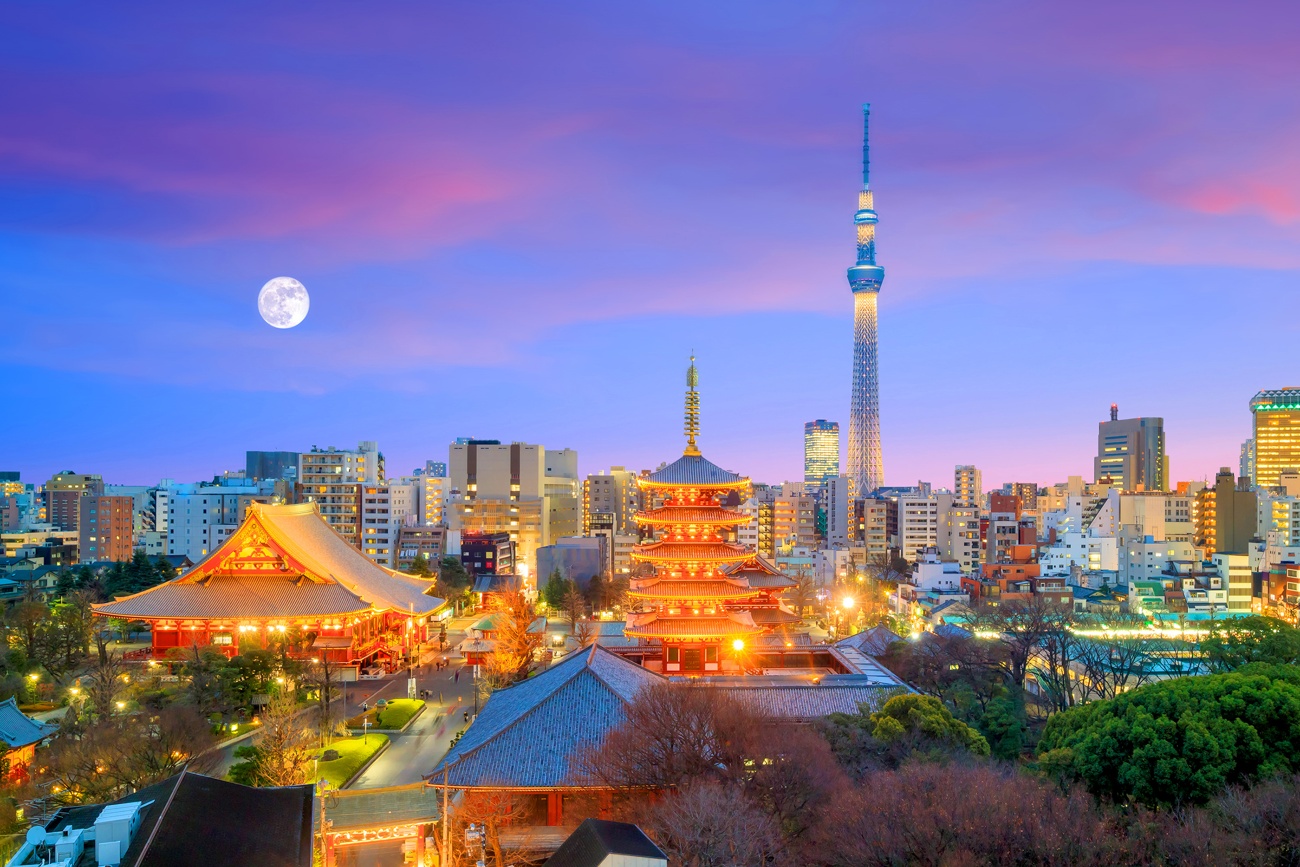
[[700, 627], [693, 470], [282, 562], [690, 589], [669, 551], [670, 513]]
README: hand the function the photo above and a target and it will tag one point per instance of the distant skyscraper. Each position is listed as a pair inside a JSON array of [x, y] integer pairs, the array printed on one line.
[[1246, 463], [968, 487], [821, 452], [866, 469], [270, 465], [1131, 453], [1277, 433]]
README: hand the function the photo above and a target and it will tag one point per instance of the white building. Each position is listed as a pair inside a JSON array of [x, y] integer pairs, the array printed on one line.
[[385, 509], [920, 519], [201, 517], [837, 500], [1235, 569]]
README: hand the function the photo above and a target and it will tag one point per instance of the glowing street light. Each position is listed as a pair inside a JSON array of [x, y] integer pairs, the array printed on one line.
[[848, 603], [34, 676], [121, 705], [738, 645]]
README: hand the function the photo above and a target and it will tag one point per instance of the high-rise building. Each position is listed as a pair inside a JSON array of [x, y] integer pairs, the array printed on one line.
[[821, 453], [967, 486], [1226, 516], [865, 468], [1277, 433], [614, 493], [921, 520], [1027, 493], [385, 509], [63, 493], [1246, 463], [106, 528], [333, 479], [1131, 453], [531, 492], [837, 501]]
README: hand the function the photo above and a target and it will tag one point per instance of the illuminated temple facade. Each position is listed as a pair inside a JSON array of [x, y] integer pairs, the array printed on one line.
[[706, 601], [285, 576]]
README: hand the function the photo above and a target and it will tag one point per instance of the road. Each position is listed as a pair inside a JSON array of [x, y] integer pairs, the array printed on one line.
[[414, 753]]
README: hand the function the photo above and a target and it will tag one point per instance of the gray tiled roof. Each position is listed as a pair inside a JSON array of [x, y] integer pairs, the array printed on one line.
[[809, 702], [17, 729], [693, 470], [526, 733], [873, 642]]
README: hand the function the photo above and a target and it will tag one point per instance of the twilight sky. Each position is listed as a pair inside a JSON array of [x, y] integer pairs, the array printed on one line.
[[516, 220]]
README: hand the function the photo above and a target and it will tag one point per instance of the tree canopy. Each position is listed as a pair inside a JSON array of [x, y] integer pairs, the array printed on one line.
[[1240, 641], [1183, 740]]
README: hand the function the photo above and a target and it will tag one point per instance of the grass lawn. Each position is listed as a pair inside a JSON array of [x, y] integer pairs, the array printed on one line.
[[397, 714], [353, 753]]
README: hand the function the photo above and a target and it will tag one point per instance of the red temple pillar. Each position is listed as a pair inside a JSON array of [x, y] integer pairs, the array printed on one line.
[[554, 808]]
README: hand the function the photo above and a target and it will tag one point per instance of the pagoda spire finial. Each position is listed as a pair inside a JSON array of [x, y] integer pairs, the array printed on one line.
[[692, 408]]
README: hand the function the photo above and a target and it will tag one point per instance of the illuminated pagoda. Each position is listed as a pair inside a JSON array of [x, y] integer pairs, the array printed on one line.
[[285, 577], [697, 604]]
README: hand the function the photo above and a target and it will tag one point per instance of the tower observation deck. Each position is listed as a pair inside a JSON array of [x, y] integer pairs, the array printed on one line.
[[865, 466]]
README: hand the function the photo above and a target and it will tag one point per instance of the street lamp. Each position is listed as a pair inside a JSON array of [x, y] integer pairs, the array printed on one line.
[[365, 730]]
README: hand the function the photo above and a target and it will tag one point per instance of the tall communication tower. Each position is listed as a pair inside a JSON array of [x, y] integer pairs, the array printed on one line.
[[866, 469]]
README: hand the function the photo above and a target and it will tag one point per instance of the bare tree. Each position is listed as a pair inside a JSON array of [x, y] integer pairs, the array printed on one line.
[[104, 683], [800, 596], [1020, 625], [575, 605], [711, 824], [324, 677], [584, 632]]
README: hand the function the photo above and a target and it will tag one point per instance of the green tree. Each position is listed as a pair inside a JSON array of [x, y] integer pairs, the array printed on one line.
[[555, 589], [923, 718], [420, 567], [1240, 641], [452, 573], [1003, 726], [1180, 741]]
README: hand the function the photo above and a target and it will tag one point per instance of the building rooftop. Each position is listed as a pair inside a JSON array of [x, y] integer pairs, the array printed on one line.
[[597, 839], [17, 729], [693, 471], [192, 819]]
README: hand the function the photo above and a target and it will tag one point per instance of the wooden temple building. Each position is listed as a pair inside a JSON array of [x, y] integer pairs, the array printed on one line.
[[708, 600], [286, 576]]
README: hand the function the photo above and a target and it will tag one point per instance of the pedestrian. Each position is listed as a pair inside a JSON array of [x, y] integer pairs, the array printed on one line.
[[458, 675]]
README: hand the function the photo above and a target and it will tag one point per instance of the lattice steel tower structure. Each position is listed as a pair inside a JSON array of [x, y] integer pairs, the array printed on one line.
[[866, 470]]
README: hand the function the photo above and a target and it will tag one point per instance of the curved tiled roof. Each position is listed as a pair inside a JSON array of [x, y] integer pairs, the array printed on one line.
[[773, 616], [319, 574], [693, 471], [690, 552], [17, 729], [671, 514], [689, 626], [760, 574], [526, 733], [228, 597], [672, 589]]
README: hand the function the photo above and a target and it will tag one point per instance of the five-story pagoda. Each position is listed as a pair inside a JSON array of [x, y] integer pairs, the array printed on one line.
[[689, 604]]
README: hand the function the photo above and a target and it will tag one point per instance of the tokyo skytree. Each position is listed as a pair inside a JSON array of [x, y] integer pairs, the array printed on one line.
[[866, 470]]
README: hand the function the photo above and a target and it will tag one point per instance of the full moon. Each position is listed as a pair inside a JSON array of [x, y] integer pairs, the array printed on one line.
[[283, 302]]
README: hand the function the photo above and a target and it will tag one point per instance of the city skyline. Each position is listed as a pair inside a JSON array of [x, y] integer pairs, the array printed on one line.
[[473, 241]]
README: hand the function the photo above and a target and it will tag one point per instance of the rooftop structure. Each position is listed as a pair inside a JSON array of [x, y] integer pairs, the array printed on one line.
[[184, 820], [285, 572], [866, 468], [602, 843]]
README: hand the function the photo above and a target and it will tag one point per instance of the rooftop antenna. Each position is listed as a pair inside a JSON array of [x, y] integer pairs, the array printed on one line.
[[1114, 412]]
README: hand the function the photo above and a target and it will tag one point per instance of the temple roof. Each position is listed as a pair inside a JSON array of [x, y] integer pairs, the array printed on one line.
[[674, 514], [17, 729], [283, 561], [668, 588], [653, 625], [526, 733], [599, 841], [773, 616], [693, 471], [228, 597], [690, 552], [760, 574]]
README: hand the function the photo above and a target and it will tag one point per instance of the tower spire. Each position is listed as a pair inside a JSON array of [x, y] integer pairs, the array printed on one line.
[[692, 408], [866, 470]]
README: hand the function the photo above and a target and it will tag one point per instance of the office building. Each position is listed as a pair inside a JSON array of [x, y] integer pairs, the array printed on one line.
[[106, 528], [920, 521], [1226, 519], [967, 486], [613, 493], [487, 553], [63, 493], [837, 503], [1276, 415], [1131, 453], [420, 541], [821, 453], [866, 467]]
